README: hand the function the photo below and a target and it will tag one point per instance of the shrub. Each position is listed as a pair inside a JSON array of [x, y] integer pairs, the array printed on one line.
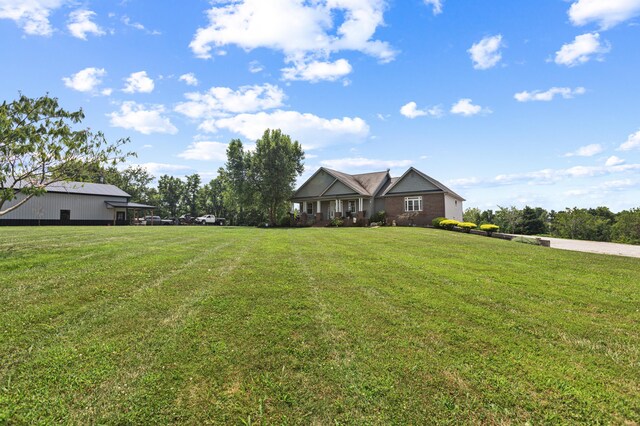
[[489, 228], [436, 222], [467, 226], [526, 240], [337, 222], [380, 216], [285, 221], [448, 224]]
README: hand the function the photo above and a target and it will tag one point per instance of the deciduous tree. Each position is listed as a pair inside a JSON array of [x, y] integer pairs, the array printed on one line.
[[39, 147], [274, 166]]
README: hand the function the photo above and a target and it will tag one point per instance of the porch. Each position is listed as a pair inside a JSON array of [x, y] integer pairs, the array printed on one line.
[[350, 209]]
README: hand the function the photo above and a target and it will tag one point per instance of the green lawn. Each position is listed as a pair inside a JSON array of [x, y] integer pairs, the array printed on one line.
[[200, 325]]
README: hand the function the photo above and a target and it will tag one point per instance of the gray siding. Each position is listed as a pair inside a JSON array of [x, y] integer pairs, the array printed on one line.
[[48, 206], [339, 188], [378, 205], [412, 182], [315, 186]]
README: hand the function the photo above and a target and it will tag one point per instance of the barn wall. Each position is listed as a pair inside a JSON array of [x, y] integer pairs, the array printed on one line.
[[47, 207]]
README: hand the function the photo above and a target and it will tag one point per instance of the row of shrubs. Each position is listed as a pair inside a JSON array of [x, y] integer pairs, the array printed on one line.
[[449, 224]]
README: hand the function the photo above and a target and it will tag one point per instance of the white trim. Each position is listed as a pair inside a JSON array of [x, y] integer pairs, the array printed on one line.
[[413, 201]]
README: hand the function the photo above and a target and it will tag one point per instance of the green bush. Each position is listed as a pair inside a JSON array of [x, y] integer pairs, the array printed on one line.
[[489, 228], [337, 222], [380, 216], [627, 227], [526, 240], [436, 222], [285, 221], [448, 224], [467, 226]]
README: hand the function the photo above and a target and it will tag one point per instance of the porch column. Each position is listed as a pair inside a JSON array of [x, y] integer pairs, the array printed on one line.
[[319, 209], [293, 207], [304, 206], [361, 204]]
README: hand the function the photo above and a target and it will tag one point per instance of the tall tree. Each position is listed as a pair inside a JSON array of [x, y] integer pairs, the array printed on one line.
[[190, 194], [211, 196], [38, 147], [170, 191], [274, 166], [134, 180]]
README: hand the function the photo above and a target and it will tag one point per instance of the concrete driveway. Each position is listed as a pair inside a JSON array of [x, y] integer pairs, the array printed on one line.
[[595, 247]]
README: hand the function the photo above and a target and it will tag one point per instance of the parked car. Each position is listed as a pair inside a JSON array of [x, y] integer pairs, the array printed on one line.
[[186, 219], [156, 220]]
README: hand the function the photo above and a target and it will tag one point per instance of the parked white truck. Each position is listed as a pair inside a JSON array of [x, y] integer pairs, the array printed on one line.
[[209, 219]]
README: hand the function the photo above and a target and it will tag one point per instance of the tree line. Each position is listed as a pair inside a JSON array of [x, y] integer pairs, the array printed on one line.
[[252, 188], [595, 224]]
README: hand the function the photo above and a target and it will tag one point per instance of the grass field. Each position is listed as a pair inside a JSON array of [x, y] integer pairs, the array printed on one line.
[[312, 326]]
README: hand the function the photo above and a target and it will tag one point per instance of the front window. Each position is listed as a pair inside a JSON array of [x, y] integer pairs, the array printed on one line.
[[352, 206], [413, 204], [309, 208]]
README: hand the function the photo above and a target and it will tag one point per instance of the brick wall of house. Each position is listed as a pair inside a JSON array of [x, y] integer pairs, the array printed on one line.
[[432, 207]]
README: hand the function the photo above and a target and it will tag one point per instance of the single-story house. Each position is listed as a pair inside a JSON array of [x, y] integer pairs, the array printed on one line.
[[411, 199], [74, 203]]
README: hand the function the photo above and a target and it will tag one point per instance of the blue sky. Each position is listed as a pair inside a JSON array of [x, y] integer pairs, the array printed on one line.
[[507, 102]]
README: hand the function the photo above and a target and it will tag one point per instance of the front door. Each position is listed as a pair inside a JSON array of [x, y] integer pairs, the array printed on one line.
[[65, 217], [120, 216], [332, 209]]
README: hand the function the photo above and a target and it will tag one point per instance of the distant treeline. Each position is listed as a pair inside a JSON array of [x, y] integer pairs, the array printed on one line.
[[596, 224]]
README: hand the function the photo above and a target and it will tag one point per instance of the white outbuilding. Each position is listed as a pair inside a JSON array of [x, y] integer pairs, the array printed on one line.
[[75, 203]]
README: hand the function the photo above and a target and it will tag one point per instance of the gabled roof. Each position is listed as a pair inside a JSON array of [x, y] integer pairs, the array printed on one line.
[[348, 180], [429, 179], [364, 184], [373, 184]]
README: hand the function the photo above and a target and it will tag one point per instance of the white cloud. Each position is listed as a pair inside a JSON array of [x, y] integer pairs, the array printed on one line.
[[607, 13], [142, 119], [546, 176], [486, 53], [205, 150], [586, 151], [613, 161], [32, 16], [302, 31], [360, 162], [310, 130], [255, 67], [315, 71], [189, 78], [138, 26], [106, 92], [80, 24], [219, 101], [139, 82], [537, 95], [633, 141], [410, 110], [159, 169], [86, 80], [581, 50], [437, 5], [467, 108], [596, 191]]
